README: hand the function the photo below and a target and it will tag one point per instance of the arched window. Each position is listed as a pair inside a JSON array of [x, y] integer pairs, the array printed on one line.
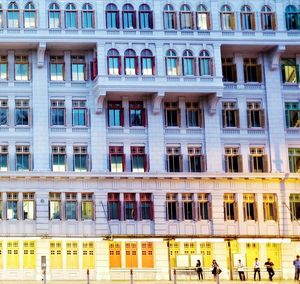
[[227, 18], [145, 17], [130, 62], [87, 16], [202, 18], [205, 64], [247, 18], [172, 63], [170, 18], [113, 62], [71, 16], [188, 63], [186, 18], [29, 16], [54, 16], [112, 17], [1, 16], [268, 19], [147, 62], [292, 17], [129, 17], [13, 15]]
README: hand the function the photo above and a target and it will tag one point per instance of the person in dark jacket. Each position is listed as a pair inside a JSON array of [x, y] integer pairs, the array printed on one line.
[[199, 270], [269, 265]]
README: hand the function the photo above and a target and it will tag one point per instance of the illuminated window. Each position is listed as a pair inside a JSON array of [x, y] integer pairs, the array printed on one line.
[[87, 206], [12, 255], [88, 255], [72, 255], [57, 68], [29, 15], [12, 202], [28, 206], [131, 63], [294, 160], [131, 257], [59, 158], [13, 12], [114, 254], [113, 62], [147, 255], [78, 68], [295, 207], [147, 62], [289, 70], [227, 18], [55, 255], [29, 258], [54, 16], [230, 207], [202, 18], [117, 159], [270, 207], [250, 207], [55, 206]]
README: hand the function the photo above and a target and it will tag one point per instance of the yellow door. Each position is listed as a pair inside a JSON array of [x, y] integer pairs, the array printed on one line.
[[206, 251], [115, 254], [88, 257], [1, 256], [131, 254], [12, 258], [234, 248], [174, 251], [274, 253], [147, 255], [55, 255], [29, 254], [72, 255], [252, 251]]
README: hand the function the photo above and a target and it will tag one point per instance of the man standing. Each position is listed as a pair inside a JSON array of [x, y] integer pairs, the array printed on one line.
[[240, 269], [296, 263], [256, 269], [269, 265]]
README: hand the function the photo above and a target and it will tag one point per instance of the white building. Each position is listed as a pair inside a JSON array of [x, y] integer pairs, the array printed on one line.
[[148, 135]]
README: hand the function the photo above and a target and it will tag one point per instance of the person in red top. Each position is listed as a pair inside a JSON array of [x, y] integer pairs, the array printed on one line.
[[269, 265]]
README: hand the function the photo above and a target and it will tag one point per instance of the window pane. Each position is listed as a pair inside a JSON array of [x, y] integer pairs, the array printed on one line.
[[138, 164], [80, 163], [12, 210], [114, 210], [71, 210], [3, 71], [28, 209], [59, 163], [87, 210], [3, 162], [129, 210], [55, 210], [116, 164], [22, 162]]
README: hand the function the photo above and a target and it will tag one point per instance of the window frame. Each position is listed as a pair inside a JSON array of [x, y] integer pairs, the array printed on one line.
[[171, 204], [144, 10], [230, 114], [12, 198], [112, 198], [138, 151], [270, 207], [169, 111], [146, 199], [113, 54], [56, 198], [58, 151], [81, 151], [172, 63], [29, 9], [131, 57], [110, 10], [23, 151], [87, 11], [22, 61], [54, 9], [226, 14], [146, 54], [115, 106], [4, 152], [204, 60], [30, 198], [13, 8], [255, 109], [195, 152], [130, 202], [87, 198], [170, 17], [247, 18], [233, 160], [57, 104], [71, 198], [201, 11], [230, 207], [117, 151], [186, 17], [77, 60], [128, 17], [258, 159], [172, 153], [249, 207], [69, 13]]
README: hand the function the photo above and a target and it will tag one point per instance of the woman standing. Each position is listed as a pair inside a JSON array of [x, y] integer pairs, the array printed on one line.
[[216, 271], [199, 269]]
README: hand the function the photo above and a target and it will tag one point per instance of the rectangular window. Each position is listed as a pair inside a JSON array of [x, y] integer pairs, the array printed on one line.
[[204, 207], [79, 113], [289, 70], [79, 72], [114, 254], [1, 214], [115, 114], [116, 159], [194, 115], [80, 159], [12, 206], [58, 113], [87, 206], [268, 21], [203, 20], [137, 114], [249, 206], [174, 159], [55, 255], [23, 160], [292, 114], [138, 159], [29, 257], [294, 160], [131, 255], [12, 256], [130, 207], [270, 207], [233, 160], [114, 206], [72, 255], [172, 114], [71, 206], [230, 115], [28, 206], [22, 68], [4, 118], [187, 206], [3, 67], [57, 68], [59, 159], [229, 70], [295, 207], [230, 207], [252, 70], [146, 207], [147, 255], [258, 160], [22, 112], [3, 158], [197, 161], [172, 207], [255, 115], [55, 206], [227, 21], [88, 255]]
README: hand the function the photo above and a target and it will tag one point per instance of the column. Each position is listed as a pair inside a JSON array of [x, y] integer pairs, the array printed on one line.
[[215, 15], [42, 214], [40, 114], [239, 61], [11, 66], [160, 60], [280, 15]]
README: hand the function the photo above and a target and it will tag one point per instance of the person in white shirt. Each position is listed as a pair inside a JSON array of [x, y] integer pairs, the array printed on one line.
[[240, 269], [256, 269]]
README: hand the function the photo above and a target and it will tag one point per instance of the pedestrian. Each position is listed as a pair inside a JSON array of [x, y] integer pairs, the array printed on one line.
[[216, 271], [296, 263], [256, 269], [240, 269], [269, 265], [199, 270]]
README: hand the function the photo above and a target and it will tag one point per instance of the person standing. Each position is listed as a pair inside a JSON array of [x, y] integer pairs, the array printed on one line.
[[269, 265], [199, 270], [296, 263], [216, 271], [240, 269], [256, 269]]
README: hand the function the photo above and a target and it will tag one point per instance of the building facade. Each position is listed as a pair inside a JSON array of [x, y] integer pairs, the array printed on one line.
[[146, 135]]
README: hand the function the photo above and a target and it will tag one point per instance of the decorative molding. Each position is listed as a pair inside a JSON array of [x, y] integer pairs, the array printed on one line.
[[274, 56], [99, 96], [41, 54], [156, 102], [212, 102]]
